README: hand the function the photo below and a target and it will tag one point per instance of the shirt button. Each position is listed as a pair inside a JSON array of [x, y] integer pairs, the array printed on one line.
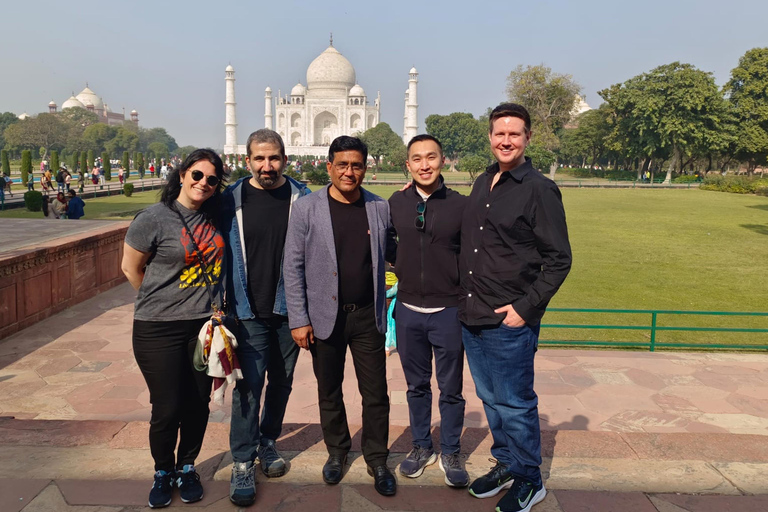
[[333, 298], [481, 228], [335, 272], [475, 250], [469, 295], [488, 205], [470, 272]]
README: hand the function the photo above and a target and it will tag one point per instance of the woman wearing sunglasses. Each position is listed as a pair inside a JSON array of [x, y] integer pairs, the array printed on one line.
[[174, 257]]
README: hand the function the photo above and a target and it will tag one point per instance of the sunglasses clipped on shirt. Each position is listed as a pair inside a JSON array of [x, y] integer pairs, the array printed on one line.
[[421, 209], [197, 175]]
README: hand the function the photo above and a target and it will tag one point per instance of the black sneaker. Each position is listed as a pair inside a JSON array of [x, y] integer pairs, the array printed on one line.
[[272, 463], [188, 482], [521, 497], [162, 490], [455, 474], [493, 482], [416, 460]]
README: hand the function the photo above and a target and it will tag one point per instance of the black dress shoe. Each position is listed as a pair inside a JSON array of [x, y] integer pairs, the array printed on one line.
[[334, 469], [383, 480]]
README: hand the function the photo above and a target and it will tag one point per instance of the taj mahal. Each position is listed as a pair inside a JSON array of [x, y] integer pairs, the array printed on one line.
[[331, 104]]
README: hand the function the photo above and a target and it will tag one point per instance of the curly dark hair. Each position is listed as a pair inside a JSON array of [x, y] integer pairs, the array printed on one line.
[[172, 189]]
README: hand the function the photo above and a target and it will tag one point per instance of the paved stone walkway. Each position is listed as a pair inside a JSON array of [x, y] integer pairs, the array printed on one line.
[[624, 431]]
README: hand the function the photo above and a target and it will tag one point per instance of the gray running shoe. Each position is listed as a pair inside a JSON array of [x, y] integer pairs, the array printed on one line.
[[452, 466], [272, 463], [242, 485], [416, 460]]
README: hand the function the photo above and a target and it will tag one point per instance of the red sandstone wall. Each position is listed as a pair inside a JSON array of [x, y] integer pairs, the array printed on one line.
[[36, 283]]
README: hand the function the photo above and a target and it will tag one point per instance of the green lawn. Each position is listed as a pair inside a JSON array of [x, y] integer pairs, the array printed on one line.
[[632, 249]]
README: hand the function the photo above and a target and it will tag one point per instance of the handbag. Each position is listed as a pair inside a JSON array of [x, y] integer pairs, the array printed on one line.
[[215, 349]]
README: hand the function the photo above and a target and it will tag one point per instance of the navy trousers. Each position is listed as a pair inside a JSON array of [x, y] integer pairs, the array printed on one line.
[[419, 335]]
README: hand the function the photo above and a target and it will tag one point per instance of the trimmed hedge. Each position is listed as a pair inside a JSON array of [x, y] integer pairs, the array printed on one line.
[[736, 184], [128, 189], [33, 200]]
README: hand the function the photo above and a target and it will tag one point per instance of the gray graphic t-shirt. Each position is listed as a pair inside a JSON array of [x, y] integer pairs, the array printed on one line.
[[174, 287]]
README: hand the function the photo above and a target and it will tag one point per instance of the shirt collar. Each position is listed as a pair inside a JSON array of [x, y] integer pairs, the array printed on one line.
[[518, 173]]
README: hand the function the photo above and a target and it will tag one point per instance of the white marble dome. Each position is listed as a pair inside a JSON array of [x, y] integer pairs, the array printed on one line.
[[356, 91], [229, 68], [88, 97], [330, 70], [298, 90], [413, 71], [72, 102]]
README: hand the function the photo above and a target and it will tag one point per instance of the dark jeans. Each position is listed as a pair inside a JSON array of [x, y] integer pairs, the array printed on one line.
[[265, 349], [357, 330], [418, 335], [501, 362], [179, 394]]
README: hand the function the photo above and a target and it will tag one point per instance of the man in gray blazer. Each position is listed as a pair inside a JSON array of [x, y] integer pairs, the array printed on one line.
[[335, 252]]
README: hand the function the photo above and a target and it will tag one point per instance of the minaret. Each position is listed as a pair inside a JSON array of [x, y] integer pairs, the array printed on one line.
[[405, 119], [230, 119], [411, 108], [268, 108]]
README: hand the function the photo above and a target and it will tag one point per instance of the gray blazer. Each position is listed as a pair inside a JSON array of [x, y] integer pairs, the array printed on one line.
[[310, 267]]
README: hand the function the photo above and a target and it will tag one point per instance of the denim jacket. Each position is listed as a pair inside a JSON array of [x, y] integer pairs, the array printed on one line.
[[237, 277]]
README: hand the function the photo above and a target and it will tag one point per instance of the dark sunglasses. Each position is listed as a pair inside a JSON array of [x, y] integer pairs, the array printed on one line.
[[421, 208], [198, 175]]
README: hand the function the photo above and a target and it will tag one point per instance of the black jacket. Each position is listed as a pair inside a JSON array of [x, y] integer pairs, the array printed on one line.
[[427, 262], [515, 246]]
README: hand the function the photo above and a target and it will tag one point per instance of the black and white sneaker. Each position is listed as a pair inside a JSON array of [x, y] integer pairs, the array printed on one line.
[[455, 474], [416, 460], [493, 482], [188, 482], [521, 497], [162, 490]]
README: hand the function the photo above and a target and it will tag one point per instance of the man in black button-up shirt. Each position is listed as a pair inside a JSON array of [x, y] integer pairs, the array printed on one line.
[[514, 256]]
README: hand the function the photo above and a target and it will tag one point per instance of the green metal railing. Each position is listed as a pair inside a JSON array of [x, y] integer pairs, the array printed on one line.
[[654, 329]]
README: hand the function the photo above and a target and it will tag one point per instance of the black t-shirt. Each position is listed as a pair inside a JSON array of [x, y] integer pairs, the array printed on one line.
[[353, 251], [265, 221]]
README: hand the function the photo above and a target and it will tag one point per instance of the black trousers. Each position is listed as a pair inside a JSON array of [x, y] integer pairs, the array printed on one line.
[[357, 330], [179, 394]]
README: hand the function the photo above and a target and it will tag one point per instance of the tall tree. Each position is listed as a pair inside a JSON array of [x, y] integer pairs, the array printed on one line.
[[26, 165], [44, 130], [6, 119], [97, 135], [126, 163], [148, 136], [460, 134], [123, 140], [382, 142], [55, 164], [747, 91], [159, 150], [140, 164], [107, 166], [674, 112], [6, 165], [549, 98]]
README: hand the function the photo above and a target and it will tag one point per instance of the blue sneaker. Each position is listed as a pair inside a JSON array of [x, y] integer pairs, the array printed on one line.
[[272, 463], [188, 482], [242, 484], [162, 490]]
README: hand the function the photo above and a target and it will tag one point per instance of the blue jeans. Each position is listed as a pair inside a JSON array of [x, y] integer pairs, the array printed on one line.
[[501, 362], [265, 349]]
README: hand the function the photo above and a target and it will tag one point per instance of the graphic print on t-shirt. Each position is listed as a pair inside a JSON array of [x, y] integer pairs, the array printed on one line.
[[211, 244]]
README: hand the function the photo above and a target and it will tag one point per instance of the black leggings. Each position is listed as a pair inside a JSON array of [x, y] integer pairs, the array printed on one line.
[[179, 394]]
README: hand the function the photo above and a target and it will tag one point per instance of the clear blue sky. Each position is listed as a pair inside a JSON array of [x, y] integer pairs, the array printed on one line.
[[166, 59]]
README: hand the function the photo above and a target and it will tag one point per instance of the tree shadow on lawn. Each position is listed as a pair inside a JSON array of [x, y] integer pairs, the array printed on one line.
[[759, 206], [761, 229]]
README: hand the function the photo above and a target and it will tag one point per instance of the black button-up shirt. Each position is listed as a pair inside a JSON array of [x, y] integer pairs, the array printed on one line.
[[514, 246]]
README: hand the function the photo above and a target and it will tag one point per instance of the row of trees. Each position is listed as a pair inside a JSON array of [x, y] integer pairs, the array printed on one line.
[[75, 130], [673, 119]]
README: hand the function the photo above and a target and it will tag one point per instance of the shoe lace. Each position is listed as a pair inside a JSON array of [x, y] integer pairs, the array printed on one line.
[[162, 480], [243, 478], [497, 468], [188, 477], [452, 460], [269, 453], [420, 453]]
